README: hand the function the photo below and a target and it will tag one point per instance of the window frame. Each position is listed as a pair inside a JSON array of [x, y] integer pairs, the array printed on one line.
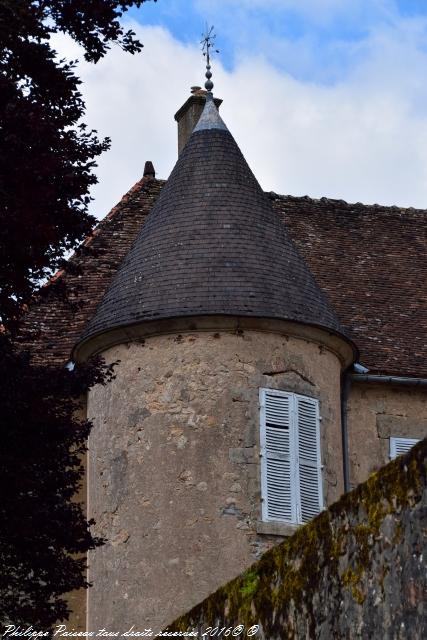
[[294, 460]]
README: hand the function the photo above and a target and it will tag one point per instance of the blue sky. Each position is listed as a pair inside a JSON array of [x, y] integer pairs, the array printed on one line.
[[324, 97], [333, 32]]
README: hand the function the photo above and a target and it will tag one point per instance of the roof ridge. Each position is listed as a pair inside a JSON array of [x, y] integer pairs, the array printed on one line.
[[144, 182], [278, 196]]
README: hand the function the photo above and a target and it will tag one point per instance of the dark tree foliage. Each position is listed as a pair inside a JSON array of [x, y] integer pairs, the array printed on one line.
[[46, 153], [41, 447], [47, 158]]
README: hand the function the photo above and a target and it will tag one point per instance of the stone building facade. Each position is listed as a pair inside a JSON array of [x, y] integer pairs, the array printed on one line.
[[270, 351]]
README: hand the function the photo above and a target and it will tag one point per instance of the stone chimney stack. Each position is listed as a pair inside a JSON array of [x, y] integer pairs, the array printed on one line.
[[149, 171], [188, 115]]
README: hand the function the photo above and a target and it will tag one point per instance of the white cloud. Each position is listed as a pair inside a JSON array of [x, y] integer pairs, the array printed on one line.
[[362, 139], [133, 99]]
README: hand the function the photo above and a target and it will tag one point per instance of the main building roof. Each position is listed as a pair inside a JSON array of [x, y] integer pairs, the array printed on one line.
[[370, 261]]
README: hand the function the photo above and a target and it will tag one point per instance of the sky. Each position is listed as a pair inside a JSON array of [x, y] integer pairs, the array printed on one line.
[[326, 98]]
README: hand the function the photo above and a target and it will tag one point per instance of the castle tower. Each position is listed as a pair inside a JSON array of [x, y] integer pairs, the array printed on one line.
[[221, 431]]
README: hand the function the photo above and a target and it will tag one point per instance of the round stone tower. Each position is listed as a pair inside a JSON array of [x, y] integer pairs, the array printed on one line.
[[220, 433]]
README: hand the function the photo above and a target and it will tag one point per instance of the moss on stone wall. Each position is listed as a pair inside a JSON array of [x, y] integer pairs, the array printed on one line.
[[338, 562]]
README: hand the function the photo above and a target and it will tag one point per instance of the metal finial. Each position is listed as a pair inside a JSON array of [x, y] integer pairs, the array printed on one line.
[[207, 42]]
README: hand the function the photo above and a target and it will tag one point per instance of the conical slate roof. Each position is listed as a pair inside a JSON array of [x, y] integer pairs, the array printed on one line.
[[212, 245]]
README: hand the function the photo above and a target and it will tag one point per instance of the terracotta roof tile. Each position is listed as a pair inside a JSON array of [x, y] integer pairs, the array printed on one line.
[[372, 263], [61, 310]]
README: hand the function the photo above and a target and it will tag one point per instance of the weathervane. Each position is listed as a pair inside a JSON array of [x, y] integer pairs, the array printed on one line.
[[207, 44]]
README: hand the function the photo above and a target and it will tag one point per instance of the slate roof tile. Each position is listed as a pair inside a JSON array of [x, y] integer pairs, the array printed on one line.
[[215, 238]]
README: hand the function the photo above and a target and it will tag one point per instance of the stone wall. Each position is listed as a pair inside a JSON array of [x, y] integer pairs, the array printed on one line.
[[174, 478], [375, 413], [357, 571]]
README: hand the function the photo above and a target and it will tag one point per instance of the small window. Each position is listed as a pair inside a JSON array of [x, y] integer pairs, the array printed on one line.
[[291, 473], [399, 446]]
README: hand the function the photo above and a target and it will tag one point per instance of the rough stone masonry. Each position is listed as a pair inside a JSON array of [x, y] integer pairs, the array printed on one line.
[[358, 570]]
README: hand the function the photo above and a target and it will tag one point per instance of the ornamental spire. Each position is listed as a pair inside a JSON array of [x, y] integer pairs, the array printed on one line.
[[207, 42]]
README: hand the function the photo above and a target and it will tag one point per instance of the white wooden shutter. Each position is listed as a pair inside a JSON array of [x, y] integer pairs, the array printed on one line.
[[277, 488], [309, 468], [399, 446]]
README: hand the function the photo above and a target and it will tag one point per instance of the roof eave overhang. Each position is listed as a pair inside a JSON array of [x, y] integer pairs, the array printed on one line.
[[97, 343]]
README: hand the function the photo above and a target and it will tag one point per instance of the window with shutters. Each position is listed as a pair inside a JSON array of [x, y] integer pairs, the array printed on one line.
[[291, 472], [399, 446]]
